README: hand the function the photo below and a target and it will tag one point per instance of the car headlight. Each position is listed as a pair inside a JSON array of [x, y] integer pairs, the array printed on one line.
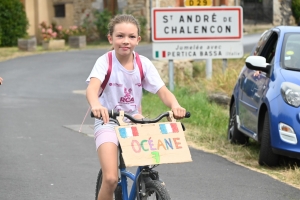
[[290, 92]]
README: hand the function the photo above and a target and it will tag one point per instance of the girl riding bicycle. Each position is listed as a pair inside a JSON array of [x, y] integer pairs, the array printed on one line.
[[123, 92]]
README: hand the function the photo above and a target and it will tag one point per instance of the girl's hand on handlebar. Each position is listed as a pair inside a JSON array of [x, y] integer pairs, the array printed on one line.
[[178, 112], [101, 112]]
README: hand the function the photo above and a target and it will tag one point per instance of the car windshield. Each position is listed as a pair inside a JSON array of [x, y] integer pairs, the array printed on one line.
[[291, 51]]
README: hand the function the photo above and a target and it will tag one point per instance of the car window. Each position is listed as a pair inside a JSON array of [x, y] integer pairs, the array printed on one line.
[[270, 48], [291, 51], [261, 42]]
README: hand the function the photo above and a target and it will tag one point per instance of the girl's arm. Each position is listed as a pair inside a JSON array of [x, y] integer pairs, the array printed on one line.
[[170, 100], [92, 97]]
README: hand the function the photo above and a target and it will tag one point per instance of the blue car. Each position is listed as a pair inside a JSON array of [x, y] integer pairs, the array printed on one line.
[[266, 98]]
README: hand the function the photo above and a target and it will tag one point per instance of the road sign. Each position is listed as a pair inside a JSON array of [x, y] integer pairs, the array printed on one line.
[[197, 24], [197, 50], [198, 3]]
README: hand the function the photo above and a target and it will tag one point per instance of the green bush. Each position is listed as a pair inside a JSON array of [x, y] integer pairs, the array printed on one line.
[[143, 23], [296, 10], [102, 18], [13, 22], [90, 28]]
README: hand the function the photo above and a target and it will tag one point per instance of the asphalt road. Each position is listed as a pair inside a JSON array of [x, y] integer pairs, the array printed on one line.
[[43, 156]]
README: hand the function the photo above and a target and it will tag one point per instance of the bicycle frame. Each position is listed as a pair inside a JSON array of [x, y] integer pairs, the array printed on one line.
[[124, 174]]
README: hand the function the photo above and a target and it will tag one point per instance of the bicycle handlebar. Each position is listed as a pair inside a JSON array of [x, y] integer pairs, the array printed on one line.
[[114, 114]]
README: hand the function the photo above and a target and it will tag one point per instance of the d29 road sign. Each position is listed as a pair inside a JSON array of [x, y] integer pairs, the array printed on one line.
[[198, 3]]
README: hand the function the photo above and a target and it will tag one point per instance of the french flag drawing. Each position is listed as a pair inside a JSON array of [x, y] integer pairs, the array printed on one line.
[[128, 132], [168, 128]]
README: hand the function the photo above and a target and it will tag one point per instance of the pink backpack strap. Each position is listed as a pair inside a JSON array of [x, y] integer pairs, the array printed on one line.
[[139, 63], [103, 85]]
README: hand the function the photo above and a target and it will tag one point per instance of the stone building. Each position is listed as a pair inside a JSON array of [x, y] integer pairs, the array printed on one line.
[[276, 12], [72, 12]]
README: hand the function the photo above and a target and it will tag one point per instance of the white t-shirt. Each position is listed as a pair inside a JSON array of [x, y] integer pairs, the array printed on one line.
[[123, 90]]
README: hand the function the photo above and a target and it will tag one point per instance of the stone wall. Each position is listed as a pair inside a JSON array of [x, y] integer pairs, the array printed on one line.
[[76, 10], [81, 9], [136, 7], [283, 13]]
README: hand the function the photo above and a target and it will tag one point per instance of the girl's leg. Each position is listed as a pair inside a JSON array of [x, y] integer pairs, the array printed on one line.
[[108, 157]]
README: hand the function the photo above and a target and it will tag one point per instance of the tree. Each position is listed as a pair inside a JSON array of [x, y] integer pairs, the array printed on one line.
[[13, 22], [296, 10]]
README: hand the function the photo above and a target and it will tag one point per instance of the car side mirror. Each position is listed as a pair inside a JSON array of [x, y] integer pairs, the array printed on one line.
[[257, 63]]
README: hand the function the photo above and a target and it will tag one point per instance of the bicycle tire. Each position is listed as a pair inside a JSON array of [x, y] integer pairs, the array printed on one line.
[[158, 189], [118, 190]]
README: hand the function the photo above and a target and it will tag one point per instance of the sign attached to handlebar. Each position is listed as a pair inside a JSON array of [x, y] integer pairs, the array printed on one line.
[[151, 144]]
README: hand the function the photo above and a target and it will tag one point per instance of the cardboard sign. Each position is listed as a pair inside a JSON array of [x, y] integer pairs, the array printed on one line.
[[150, 144]]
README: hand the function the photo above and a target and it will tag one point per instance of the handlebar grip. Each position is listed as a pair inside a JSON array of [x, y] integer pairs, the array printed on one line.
[[111, 113], [92, 115], [187, 115]]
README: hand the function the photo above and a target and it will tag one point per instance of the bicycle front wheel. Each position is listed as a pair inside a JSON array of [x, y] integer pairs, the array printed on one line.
[[156, 190], [117, 193]]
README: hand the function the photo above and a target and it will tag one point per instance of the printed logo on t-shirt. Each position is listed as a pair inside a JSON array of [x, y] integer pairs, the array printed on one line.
[[119, 108], [115, 84], [127, 96]]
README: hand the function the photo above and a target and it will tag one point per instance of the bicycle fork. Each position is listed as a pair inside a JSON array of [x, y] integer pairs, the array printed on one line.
[[124, 184], [138, 188]]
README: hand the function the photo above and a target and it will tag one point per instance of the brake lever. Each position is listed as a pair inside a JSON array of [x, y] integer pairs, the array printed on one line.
[[183, 127]]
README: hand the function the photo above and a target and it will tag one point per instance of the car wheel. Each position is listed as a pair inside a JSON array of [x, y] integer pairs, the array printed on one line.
[[233, 134], [266, 155]]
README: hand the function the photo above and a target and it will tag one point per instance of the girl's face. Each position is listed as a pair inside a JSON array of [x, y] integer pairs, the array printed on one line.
[[124, 38]]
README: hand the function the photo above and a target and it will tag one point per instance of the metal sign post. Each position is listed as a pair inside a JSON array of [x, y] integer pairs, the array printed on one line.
[[171, 75], [224, 65], [208, 68]]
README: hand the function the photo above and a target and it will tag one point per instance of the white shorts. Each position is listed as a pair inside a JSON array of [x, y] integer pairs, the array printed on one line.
[[106, 132]]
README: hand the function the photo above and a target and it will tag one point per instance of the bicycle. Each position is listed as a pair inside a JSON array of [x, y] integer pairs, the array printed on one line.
[[146, 181]]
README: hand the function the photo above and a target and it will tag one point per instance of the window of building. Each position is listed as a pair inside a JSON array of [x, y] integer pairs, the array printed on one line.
[[59, 10]]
